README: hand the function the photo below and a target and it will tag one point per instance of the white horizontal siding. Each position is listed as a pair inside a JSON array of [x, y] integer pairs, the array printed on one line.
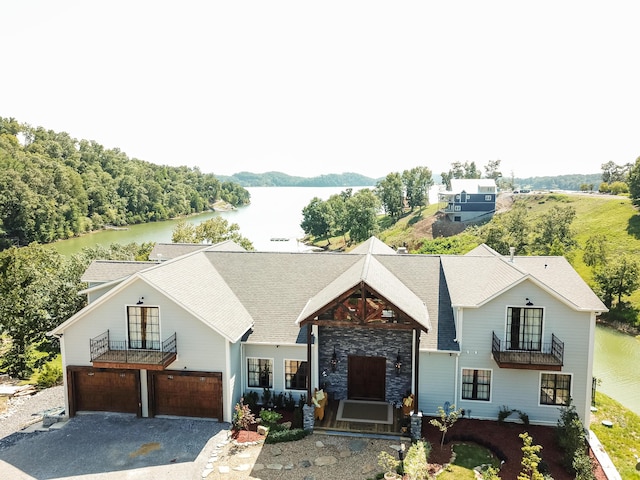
[[278, 354], [436, 382], [199, 347], [519, 389]]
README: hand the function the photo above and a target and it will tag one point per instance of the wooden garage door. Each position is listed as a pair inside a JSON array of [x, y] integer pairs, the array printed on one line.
[[185, 394], [103, 390]]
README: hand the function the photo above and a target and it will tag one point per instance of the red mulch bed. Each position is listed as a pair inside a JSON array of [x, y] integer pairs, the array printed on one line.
[[505, 443], [246, 436], [501, 439]]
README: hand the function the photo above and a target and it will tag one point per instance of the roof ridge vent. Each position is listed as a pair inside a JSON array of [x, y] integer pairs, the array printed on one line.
[[402, 250]]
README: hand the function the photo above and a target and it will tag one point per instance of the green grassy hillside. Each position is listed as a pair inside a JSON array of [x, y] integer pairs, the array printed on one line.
[[612, 216]]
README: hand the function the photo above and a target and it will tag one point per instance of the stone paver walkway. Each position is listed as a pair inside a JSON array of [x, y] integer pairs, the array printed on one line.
[[313, 458]]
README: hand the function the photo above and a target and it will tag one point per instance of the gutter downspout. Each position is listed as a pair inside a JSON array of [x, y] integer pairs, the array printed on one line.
[[65, 380], [458, 339], [455, 388]]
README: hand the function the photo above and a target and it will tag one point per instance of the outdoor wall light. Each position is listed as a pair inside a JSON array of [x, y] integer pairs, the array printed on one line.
[[140, 301], [334, 360], [398, 363], [529, 302]]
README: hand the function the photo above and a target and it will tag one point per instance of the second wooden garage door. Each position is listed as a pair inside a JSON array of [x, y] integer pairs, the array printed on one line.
[[186, 394]]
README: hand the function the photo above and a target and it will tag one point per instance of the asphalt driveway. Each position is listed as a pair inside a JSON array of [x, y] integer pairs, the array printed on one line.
[[112, 446]]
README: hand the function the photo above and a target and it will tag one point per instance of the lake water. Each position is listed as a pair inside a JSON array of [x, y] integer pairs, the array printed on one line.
[[274, 213], [277, 213], [616, 363]]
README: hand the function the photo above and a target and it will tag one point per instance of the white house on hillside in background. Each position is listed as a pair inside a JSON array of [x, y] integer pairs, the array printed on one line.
[[470, 199], [190, 335]]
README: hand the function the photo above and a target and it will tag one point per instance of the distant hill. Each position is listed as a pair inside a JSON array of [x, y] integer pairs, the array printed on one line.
[[350, 179], [560, 182], [279, 179]]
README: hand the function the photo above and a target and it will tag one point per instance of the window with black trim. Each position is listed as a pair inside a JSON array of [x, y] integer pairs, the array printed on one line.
[[524, 328], [555, 389], [476, 384], [260, 372], [295, 375], [143, 324]]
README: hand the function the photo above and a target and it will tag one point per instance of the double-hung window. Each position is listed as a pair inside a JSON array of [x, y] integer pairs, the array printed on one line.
[[476, 384], [524, 328], [295, 375], [143, 324], [260, 372], [555, 389]]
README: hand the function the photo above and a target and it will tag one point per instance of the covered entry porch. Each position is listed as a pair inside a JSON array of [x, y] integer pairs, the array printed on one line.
[[332, 422], [366, 345]]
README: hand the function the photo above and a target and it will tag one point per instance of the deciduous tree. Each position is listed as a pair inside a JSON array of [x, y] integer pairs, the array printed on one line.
[[417, 182], [38, 291], [554, 233], [617, 278], [362, 213], [213, 230], [389, 191], [317, 218]]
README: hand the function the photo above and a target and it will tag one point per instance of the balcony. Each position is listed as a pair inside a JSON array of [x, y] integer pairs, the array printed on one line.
[[550, 356], [107, 353]]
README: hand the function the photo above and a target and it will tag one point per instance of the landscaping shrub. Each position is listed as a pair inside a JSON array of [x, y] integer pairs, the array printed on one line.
[[251, 399], [289, 402], [50, 374], [582, 466], [570, 436], [270, 418], [504, 413], [286, 435], [530, 459], [243, 417], [416, 465], [388, 462]]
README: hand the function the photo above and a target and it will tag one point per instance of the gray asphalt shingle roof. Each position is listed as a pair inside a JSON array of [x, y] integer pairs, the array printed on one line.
[[102, 271], [261, 296]]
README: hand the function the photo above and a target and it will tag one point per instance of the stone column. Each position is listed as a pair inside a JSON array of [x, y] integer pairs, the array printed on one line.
[[416, 426], [308, 414]]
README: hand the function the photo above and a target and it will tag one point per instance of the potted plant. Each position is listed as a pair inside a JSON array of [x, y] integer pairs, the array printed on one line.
[[389, 464]]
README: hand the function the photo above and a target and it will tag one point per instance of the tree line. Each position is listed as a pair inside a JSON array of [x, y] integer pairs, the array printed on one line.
[[356, 214], [53, 186], [279, 179], [615, 276], [38, 291]]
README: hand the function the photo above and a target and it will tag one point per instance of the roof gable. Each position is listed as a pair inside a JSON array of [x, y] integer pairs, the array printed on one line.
[[499, 274], [369, 272], [264, 297]]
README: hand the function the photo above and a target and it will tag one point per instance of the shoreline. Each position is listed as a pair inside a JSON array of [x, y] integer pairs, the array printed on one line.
[[620, 327]]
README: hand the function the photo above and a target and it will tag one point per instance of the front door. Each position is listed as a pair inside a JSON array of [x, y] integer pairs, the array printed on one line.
[[367, 378]]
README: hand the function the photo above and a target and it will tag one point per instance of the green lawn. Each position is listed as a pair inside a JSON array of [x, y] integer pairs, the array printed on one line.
[[622, 440]]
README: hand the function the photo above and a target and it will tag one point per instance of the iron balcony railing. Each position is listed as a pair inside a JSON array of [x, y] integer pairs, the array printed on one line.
[[104, 350], [538, 353]]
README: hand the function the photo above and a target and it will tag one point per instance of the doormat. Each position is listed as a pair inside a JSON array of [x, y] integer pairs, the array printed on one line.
[[365, 412]]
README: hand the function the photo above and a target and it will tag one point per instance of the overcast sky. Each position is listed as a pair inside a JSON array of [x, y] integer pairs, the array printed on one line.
[[309, 88]]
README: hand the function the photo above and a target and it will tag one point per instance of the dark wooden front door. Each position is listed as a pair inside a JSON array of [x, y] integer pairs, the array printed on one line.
[[104, 390], [367, 378], [186, 394]]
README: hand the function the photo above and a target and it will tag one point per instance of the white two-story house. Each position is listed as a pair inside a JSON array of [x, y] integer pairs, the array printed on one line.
[[190, 335]]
